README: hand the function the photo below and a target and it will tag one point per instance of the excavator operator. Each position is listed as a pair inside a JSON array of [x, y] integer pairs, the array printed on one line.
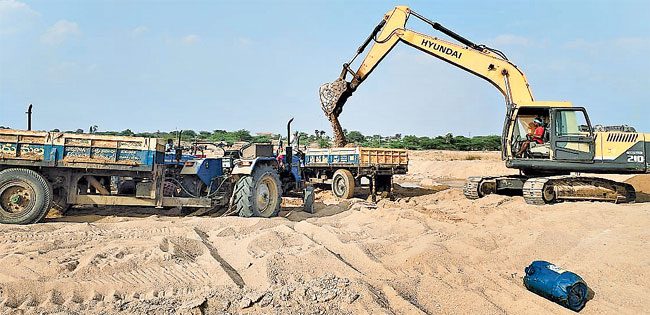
[[537, 136]]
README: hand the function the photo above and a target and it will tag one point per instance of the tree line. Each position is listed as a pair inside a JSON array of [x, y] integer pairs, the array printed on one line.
[[410, 142], [320, 139]]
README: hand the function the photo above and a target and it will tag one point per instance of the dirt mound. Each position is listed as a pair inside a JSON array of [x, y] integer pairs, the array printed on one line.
[[430, 250], [640, 182], [642, 185]]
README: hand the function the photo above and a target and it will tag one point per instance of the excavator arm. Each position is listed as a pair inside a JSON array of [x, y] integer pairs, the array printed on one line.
[[487, 63]]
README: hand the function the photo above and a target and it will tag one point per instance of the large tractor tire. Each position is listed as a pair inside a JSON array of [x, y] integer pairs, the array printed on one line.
[[258, 194], [343, 184], [25, 196]]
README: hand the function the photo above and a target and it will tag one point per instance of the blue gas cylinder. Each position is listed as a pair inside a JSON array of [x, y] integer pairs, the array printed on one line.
[[556, 284]]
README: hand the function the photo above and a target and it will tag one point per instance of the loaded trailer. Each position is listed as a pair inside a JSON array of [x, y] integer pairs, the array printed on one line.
[[347, 168], [40, 170]]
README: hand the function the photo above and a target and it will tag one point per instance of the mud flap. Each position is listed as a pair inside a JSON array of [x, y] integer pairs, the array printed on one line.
[[308, 199]]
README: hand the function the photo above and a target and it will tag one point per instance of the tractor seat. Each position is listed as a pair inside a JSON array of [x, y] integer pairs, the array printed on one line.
[[537, 150]]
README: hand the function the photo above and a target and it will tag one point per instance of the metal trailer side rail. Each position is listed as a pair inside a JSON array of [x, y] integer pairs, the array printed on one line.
[[362, 162]]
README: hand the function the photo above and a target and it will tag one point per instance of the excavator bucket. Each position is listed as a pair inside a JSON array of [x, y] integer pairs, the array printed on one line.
[[333, 95]]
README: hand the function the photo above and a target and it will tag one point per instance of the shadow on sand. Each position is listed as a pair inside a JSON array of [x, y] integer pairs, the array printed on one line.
[[642, 197], [292, 208], [89, 214]]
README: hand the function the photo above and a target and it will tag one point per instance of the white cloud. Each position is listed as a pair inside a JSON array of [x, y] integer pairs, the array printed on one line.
[[244, 41], [11, 6], [191, 39], [633, 43], [580, 44], [59, 32], [139, 31], [14, 15], [622, 45], [511, 40]]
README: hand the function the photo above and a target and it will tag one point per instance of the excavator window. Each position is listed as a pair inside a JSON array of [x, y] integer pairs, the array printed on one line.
[[524, 130], [571, 123], [572, 138]]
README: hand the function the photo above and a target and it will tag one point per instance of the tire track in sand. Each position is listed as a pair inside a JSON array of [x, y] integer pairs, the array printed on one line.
[[230, 271], [374, 273]]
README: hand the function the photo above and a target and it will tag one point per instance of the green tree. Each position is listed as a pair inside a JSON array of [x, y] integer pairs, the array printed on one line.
[[324, 143], [411, 142], [242, 135], [262, 139], [356, 137], [126, 132], [449, 138], [204, 134], [188, 134]]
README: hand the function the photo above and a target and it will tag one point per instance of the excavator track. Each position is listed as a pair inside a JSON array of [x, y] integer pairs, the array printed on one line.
[[534, 191], [470, 189], [544, 190], [476, 187]]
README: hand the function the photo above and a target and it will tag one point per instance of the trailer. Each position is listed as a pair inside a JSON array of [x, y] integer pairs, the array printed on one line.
[[40, 170], [345, 168]]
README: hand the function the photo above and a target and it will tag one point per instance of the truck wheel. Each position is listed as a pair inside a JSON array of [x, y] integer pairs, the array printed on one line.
[[259, 194], [343, 184], [25, 196]]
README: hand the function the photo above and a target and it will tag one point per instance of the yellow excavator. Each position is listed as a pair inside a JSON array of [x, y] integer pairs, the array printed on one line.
[[569, 144]]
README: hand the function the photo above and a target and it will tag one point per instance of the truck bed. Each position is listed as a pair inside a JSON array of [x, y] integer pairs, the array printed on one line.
[[56, 149], [377, 158]]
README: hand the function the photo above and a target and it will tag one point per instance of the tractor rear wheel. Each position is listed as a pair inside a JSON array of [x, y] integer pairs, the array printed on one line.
[[25, 196], [259, 194]]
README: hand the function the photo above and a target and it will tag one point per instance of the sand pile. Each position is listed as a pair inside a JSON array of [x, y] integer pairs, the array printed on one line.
[[641, 183], [429, 251], [433, 168]]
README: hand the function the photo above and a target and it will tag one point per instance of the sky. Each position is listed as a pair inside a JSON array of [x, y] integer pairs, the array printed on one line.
[[207, 65]]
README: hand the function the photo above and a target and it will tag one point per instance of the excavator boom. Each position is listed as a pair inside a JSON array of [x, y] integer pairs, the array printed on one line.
[[487, 63]]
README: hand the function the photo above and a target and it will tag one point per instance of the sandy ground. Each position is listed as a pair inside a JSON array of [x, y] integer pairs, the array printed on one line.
[[430, 251]]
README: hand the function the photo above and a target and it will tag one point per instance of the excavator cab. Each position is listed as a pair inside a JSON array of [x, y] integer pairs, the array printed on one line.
[[568, 135], [524, 129]]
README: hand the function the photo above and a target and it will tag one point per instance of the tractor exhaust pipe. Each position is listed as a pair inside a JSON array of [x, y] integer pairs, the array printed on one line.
[[29, 117], [179, 149], [288, 150]]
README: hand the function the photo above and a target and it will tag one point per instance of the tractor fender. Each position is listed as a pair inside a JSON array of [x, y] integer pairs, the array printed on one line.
[[246, 167]]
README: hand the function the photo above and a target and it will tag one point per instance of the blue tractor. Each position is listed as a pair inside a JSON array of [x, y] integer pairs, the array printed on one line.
[[249, 181]]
